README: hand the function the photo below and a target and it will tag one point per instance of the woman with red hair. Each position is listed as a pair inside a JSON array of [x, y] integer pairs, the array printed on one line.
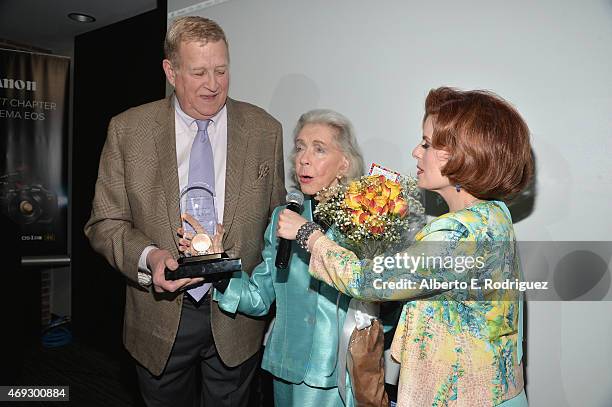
[[459, 340]]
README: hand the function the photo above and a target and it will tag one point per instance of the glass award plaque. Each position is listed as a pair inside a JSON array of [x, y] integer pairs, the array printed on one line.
[[205, 256]]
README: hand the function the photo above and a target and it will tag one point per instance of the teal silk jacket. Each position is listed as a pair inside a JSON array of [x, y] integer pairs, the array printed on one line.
[[303, 343]]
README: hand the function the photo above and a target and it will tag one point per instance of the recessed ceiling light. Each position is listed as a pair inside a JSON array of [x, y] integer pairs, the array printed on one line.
[[81, 18]]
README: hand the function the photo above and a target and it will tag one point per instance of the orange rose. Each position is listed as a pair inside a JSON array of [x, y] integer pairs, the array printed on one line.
[[377, 227], [359, 217], [381, 203], [365, 201], [385, 191], [369, 195], [394, 189], [398, 207], [374, 207], [363, 218], [353, 201]]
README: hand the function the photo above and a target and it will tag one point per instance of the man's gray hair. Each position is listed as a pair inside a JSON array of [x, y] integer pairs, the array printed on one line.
[[191, 29]]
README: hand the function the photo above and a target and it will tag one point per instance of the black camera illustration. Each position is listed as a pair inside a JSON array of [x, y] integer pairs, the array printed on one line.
[[27, 204]]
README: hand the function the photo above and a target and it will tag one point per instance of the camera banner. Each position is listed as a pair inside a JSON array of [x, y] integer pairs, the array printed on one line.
[[34, 91]]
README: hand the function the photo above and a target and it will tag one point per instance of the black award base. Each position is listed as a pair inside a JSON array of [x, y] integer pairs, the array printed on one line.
[[210, 266]]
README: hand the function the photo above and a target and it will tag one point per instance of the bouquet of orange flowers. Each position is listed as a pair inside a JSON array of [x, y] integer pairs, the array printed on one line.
[[372, 213]]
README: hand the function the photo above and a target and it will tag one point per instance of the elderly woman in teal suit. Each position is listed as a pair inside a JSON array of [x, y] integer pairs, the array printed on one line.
[[301, 351]]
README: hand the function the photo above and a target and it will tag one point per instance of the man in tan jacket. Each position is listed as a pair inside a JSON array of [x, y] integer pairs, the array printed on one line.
[[135, 216]]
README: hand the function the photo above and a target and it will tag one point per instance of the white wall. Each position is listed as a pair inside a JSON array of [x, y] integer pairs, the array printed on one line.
[[376, 61]]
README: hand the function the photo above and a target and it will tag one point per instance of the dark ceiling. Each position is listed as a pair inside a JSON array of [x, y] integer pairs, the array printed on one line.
[[44, 24]]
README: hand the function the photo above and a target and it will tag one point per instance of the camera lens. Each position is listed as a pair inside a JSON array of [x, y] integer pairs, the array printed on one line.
[[26, 208]]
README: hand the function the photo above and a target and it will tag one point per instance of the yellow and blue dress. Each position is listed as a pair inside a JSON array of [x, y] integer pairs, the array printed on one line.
[[457, 347]]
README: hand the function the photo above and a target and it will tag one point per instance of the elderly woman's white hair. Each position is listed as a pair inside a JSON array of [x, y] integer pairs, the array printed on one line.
[[344, 138]]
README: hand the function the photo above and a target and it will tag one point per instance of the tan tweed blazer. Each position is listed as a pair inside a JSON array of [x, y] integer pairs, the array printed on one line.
[[136, 204]]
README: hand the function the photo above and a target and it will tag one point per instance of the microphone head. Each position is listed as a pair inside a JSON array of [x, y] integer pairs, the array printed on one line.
[[296, 197]]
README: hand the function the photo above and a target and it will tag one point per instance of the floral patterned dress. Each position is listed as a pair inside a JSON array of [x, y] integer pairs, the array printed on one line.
[[457, 346]]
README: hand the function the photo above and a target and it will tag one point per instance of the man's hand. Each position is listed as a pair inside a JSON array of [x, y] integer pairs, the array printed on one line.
[[157, 261]]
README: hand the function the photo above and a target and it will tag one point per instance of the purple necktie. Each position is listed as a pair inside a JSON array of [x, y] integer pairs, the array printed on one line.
[[202, 171]]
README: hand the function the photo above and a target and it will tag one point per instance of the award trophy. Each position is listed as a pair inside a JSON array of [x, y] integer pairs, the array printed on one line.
[[206, 257]]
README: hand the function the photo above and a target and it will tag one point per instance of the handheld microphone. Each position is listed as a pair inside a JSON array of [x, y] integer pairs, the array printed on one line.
[[295, 200]]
